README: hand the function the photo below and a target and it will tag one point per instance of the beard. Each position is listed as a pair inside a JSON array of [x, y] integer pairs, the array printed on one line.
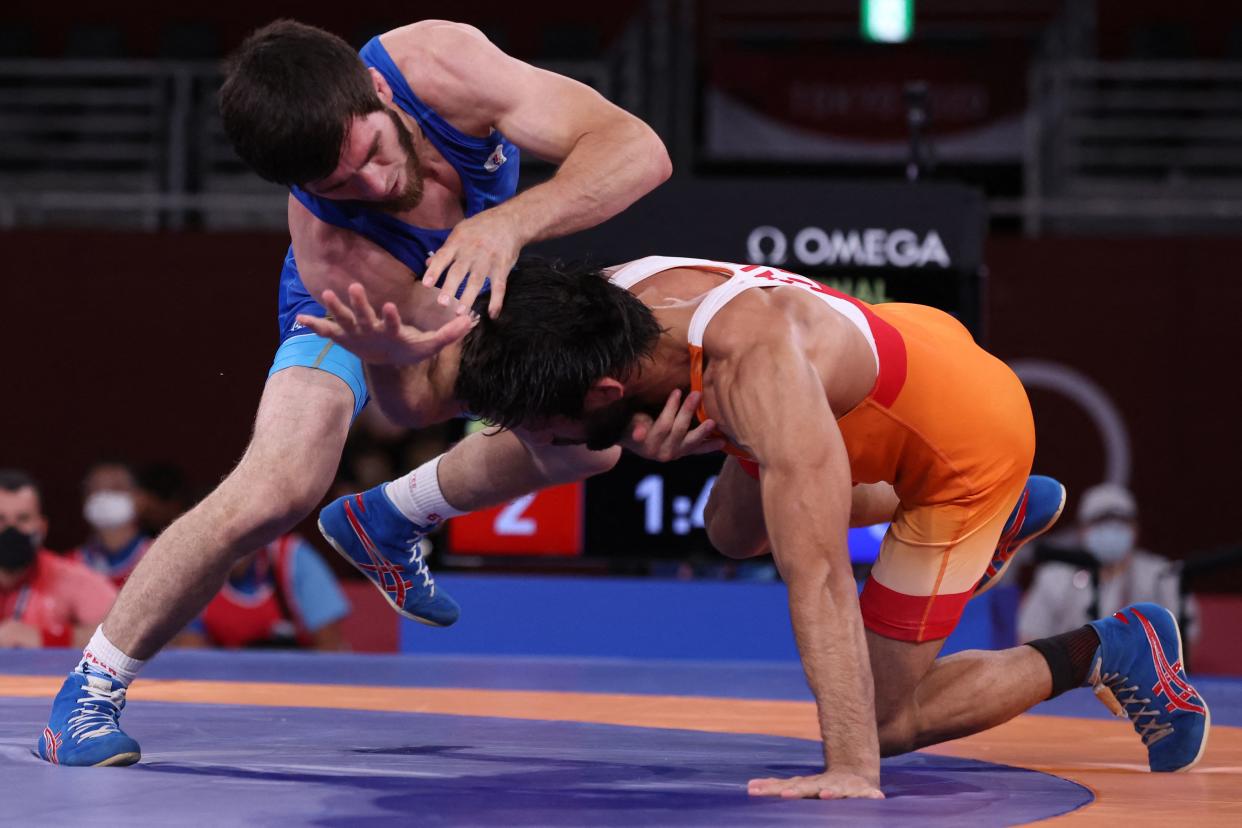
[[607, 426], [412, 194]]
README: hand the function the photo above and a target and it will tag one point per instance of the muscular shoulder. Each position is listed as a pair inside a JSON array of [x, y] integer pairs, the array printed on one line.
[[447, 65], [747, 319], [752, 358], [767, 320], [430, 37]]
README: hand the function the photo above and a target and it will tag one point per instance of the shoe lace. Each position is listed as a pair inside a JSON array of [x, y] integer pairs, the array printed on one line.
[[98, 715], [1146, 721], [420, 565]]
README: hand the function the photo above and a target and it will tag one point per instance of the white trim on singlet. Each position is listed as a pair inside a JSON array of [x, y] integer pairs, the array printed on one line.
[[632, 273]]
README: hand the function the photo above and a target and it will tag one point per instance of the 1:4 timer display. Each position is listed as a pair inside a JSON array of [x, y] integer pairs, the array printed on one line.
[[687, 513], [643, 509]]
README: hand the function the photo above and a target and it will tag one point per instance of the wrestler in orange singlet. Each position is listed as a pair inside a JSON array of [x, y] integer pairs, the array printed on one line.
[[836, 413]]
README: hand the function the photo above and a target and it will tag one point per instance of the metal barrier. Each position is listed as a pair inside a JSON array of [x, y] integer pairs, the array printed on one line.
[[140, 143], [1130, 147], [1138, 146]]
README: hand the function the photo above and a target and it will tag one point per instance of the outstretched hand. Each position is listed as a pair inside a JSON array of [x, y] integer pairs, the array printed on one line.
[[826, 785], [670, 436], [382, 338]]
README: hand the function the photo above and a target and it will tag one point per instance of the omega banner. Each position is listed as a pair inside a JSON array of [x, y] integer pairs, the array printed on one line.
[[879, 241]]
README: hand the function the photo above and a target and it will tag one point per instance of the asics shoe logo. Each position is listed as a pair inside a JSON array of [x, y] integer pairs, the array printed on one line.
[[391, 577], [1180, 694], [51, 744]]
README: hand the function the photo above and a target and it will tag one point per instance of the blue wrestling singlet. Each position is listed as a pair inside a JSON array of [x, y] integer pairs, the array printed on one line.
[[489, 172]]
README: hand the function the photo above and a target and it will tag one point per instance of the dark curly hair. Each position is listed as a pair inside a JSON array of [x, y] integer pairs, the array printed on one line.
[[289, 95], [563, 327]]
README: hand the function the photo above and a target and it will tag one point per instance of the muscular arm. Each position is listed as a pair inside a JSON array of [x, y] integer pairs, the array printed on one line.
[[734, 514], [764, 393], [414, 396], [495, 466], [607, 157]]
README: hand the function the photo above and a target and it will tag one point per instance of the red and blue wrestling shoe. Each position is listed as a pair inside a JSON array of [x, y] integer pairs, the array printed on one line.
[[1138, 673], [385, 546], [83, 728], [1041, 503]]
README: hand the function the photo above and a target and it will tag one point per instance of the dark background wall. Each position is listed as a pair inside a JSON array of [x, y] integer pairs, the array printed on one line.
[[151, 29], [1153, 322], [137, 346], [155, 347]]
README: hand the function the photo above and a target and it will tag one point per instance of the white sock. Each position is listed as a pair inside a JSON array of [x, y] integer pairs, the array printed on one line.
[[418, 495], [101, 655]]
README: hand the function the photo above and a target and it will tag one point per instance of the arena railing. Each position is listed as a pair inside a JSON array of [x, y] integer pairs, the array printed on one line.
[[1119, 147], [1133, 147], [139, 143]]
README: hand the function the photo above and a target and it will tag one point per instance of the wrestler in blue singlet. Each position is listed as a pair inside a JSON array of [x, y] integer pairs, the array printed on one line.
[[489, 172]]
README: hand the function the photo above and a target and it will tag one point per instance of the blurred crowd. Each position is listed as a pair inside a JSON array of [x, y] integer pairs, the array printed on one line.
[[286, 594], [281, 595]]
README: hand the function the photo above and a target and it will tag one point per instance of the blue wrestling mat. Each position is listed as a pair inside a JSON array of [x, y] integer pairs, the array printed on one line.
[[289, 760]]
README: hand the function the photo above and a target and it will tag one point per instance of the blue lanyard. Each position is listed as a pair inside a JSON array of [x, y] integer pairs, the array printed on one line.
[[23, 598]]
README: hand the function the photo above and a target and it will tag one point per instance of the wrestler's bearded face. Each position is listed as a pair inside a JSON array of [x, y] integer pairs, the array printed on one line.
[[599, 428], [411, 193], [606, 426], [379, 165]]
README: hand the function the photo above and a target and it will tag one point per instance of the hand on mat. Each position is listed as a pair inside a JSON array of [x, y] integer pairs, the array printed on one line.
[[484, 246], [827, 785], [384, 338], [670, 436]]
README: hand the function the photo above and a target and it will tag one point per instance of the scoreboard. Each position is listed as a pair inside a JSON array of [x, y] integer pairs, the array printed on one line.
[[878, 241], [639, 511]]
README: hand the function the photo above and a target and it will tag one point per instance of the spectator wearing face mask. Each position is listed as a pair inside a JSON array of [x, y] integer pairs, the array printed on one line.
[[1062, 594], [117, 542], [45, 600]]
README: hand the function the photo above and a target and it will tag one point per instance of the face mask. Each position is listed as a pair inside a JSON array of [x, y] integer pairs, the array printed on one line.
[[108, 510], [17, 549], [1110, 541]]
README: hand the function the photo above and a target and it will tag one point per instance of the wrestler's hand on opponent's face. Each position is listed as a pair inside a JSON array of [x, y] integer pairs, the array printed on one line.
[[484, 246], [826, 785], [383, 338], [670, 435]]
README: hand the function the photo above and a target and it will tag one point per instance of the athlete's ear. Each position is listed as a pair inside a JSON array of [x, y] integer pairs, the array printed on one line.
[[604, 392], [381, 86]]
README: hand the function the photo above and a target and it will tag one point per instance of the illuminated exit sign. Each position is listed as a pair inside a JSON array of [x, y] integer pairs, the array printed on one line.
[[887, 21]]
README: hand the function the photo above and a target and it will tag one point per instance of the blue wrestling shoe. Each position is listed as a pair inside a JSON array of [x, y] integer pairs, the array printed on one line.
[[384, 545], [83, 728], [1134, 676], [1038, 508]]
